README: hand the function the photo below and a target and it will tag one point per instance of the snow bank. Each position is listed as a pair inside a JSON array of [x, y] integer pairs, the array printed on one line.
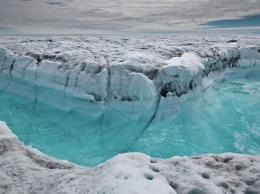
[[6, 133], [26, 170]]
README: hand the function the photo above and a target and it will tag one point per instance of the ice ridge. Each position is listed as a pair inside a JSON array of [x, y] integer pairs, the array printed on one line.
[[150, 76]]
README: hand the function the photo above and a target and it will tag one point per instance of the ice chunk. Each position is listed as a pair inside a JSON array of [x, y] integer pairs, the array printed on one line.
[[185, 66]]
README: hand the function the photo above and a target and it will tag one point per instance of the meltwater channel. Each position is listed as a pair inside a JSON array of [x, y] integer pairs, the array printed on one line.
[[225, 118]]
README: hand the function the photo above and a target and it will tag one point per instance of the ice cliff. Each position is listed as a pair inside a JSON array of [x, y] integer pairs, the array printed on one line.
[[26, 170], [89, 74]]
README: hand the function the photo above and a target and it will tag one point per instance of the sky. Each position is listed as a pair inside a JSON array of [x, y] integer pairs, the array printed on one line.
[[129, 16]]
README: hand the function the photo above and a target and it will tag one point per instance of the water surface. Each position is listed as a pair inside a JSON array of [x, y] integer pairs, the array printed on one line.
[[226, 118]]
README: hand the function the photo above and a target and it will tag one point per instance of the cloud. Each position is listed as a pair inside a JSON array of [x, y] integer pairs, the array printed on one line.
[[247, 21], [55, 3], [120, 15]]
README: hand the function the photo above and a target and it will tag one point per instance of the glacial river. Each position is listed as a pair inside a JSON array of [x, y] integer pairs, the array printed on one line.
[[224, 118]]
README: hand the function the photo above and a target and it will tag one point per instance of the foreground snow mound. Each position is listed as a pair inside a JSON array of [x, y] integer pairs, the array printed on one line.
[[26, 170]]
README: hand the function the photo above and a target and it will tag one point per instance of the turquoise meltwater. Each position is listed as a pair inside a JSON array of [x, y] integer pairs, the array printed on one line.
[[226, 118]]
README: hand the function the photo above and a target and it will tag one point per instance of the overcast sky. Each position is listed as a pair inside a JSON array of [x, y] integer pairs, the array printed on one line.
[[125, 16]]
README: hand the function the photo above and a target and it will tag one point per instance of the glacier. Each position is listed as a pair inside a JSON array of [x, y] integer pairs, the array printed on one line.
[[116, 72], [132, 79]]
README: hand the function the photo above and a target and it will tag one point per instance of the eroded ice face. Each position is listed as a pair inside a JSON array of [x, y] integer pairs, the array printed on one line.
[[87, 99], [223, 118]]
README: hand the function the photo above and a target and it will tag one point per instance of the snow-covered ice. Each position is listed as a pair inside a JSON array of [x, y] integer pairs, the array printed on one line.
[[155, 73], [119, 71]]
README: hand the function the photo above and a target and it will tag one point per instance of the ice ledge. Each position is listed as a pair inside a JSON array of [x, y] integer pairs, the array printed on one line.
[[26, 170], [128, 78]]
